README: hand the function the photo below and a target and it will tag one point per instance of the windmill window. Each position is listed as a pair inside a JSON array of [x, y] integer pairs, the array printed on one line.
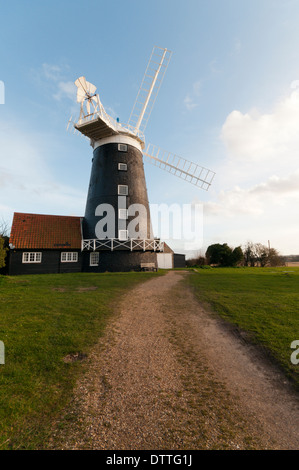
[[122, 190], [32, 257], [94, 259], [122, 148], [123, 235], [122, 166], [123, 214], [69, 257]]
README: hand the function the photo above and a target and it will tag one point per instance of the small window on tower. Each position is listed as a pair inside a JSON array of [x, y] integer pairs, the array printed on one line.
[[122, 190], [122, 166], [123, 214], [122, 148], [123, 235]]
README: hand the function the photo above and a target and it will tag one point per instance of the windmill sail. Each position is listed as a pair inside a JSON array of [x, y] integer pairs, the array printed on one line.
[[95, 123], [149, 89], [84, 89], [178, 166]]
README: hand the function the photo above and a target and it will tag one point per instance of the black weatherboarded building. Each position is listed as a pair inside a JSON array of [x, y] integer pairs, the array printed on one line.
[[45, 244]]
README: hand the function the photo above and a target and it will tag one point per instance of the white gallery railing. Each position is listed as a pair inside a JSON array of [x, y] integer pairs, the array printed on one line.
[[131, 244]]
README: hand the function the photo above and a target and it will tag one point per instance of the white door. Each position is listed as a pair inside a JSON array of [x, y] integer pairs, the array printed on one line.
[[164, 260]]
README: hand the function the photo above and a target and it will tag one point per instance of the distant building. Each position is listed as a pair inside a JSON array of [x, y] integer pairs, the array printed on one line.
[[179, 260], [168, 259]]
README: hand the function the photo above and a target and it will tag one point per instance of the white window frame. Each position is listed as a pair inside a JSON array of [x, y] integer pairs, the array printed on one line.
[[122, 190], [122, 167], [123, 235], [32, 257], [69, 257], [122, 147], [94, 254], [123, 214]]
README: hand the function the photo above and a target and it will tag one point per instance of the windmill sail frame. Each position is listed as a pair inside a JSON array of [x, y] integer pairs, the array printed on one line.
[[149, 89], [180, 167]]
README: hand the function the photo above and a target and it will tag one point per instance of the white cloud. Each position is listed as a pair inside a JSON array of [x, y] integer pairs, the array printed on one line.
[[264, 211], [279, 186], [233, 203], [66, 89], [189, 103], [258, 138], [53, 78], [52, 72], [26, 180], [257, 199], [191, 100], [267, 211], [237, 47], [255, 194]]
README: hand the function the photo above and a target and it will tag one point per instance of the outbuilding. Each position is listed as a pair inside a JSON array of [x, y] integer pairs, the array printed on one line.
[[169, 260], [41, 244], [45, 244]]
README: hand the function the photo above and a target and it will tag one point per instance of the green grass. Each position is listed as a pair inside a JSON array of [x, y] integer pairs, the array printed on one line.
[[44, 318], [261, 301]]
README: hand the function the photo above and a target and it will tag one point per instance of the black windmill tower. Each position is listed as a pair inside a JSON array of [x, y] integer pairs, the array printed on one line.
[[117, 231]]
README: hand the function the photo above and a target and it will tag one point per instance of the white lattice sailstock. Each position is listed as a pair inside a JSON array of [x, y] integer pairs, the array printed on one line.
[[178, 166], [149, 89], [117, 162]]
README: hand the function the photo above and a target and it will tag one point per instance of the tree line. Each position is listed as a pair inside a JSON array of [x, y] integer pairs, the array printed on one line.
[[252, 254], [4, 245]]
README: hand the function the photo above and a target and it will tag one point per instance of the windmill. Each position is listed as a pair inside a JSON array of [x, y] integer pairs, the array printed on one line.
[[117, 191]]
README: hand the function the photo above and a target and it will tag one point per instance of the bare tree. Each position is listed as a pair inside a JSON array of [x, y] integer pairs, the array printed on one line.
[[4, 228], [4, 241], [3, 251], [274, 258], [257, 254], [261, 254], [249, 254], [197, 260]]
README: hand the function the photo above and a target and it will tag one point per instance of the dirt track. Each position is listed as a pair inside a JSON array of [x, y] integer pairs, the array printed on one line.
[[169, 375]]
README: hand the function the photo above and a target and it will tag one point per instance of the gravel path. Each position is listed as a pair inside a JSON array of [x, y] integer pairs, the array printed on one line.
[[169, 375]]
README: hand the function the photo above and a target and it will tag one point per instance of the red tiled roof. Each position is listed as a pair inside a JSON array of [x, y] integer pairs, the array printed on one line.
[[45, 231]]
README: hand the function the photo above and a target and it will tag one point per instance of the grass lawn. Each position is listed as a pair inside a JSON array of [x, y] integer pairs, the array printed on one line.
[[43, 320], [262, 301]]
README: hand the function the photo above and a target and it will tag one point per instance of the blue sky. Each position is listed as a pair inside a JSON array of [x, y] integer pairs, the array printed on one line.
[[229, 101]]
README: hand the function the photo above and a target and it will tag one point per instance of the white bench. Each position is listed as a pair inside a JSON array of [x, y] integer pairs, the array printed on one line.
[[148, 267]]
